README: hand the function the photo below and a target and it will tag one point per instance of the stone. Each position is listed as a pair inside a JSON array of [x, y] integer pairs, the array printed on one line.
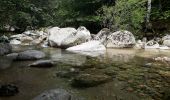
[[67, 37], [8, 90], [166, 43], [4, 39], [57, 35], [151, 45], [139, 45], [82, 35], [67, 74], [17, 36], [30, 55], [147, 65], [29, 33], [88, 46], [42, 64], [120, 39], [166, 40], [162, 59], [102, 35], [55, 94], [12, 56], [15, 42], [162, 47], [5, 48], [89, 80]]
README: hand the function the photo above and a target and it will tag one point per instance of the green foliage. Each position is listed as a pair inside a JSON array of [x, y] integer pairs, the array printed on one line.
[[114, 14], [126, 14], [22, 14], [161, 10]]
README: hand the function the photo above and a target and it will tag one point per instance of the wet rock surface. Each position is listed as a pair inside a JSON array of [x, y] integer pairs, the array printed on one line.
[[42, 64]]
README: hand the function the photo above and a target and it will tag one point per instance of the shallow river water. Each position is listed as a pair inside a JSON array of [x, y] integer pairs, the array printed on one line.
[[135, 75]]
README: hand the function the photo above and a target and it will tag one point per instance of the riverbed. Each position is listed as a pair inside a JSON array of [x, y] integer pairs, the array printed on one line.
[[135, 75]]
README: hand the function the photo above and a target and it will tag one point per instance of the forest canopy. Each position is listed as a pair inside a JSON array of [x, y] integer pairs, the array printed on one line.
[[94, 14]]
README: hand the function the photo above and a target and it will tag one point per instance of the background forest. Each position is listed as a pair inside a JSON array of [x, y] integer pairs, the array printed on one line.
[[93, 14]]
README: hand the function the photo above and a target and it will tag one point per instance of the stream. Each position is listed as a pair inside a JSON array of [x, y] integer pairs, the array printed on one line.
[[134, 74]]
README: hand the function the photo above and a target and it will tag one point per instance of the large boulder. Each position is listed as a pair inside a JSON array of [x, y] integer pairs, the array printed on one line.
[[82, 35], [30, 55], [166, 40], [88, 46], [57, 35], [67, 37], [120, 39], [102, 35], [5, 48], [55, 94]]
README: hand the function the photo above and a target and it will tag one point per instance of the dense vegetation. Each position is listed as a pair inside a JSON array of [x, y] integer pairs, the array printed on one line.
[[94, 14]]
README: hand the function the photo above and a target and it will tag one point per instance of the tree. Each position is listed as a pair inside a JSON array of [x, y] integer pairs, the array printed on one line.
[[125, 14]]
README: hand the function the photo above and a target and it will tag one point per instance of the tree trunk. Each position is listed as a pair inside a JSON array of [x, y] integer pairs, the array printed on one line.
[[148, 11]]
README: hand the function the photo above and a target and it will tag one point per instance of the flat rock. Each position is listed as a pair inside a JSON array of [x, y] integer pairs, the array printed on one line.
[[30, 55], [42, 64], [88, 46]]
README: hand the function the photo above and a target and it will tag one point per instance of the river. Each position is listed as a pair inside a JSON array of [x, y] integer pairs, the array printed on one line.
[[135, 75]]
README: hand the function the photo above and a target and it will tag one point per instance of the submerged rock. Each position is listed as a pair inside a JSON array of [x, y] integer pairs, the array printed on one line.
[[5, 48], [12, 56], [8, 90], [42, 64], [88, 46], [15, 42], [30, 55], [55, 94], [89, 80], [67, 74]]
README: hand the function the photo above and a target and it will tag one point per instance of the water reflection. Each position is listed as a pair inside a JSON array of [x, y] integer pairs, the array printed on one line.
[[63, 56], [122, 55], [5, 63]]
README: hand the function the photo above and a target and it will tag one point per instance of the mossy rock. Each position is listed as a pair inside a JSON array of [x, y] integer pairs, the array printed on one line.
[[89, 80]]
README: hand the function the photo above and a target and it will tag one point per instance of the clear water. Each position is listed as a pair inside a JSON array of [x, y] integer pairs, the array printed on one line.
[[133, 80]]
